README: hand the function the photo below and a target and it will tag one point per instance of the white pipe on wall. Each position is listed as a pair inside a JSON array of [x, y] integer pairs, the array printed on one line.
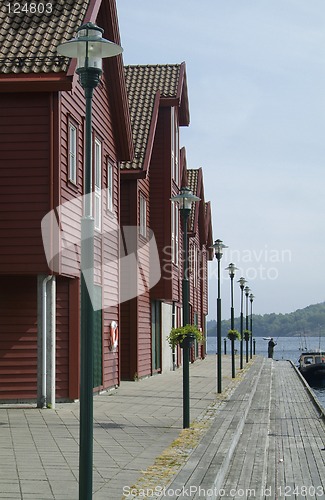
[[44, 350], [53, 341]]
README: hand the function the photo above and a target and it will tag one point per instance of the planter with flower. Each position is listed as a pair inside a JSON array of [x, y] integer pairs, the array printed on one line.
[[246, 334], [184, 335], [233, 335]]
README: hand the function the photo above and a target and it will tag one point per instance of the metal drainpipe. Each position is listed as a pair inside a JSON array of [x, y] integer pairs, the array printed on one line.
[[173, 326], [53, 342], [44, 350]]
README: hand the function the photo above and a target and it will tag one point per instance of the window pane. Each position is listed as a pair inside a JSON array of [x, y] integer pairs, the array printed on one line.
[[175, 232], [109, 186], [143, 216], [72, 153], [98, 183], [98, 211], [98, 163]]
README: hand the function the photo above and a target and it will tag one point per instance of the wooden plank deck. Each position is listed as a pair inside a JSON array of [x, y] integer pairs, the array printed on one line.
[[267, 442], [285, 427], [298, 435]]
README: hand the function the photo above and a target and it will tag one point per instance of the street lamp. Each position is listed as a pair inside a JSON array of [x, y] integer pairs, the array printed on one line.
[[241, 282], [231, 269], [218, 247], [251, 298], [89, 47], [185, 199], [247, 290]]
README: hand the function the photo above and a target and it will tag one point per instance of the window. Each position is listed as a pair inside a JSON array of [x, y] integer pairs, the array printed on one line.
[[143, 216], [193, 263], [110, 172], [98, 183], [72, 158], [174, 146], [175, 232]]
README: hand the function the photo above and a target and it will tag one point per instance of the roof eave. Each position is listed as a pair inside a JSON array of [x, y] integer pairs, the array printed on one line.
[[152, 132], [182, 94], [31, 82], [114, 70], [133, 174]]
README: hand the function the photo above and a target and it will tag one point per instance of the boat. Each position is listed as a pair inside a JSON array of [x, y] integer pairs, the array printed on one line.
[[312, 367]]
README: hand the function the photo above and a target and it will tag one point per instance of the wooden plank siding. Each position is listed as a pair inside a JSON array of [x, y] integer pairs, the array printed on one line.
[[204, 281], [62, 338], [195, 284], [128, 218], [25, 146], [18, 338], [106, 243], [143, 299], [161, 189], [136, 312]]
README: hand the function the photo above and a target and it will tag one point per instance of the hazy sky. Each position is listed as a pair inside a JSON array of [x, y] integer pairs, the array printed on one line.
[[256, 81]]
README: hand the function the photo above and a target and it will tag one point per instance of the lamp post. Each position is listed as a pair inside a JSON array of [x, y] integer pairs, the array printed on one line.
[[241, 282], [247, 290], [231, 269], [185, 199], [89, 47], [251, 298], [218, 247]]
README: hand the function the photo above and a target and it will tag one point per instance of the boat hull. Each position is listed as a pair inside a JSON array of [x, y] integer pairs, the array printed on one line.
[[314, 375], [312, 367]]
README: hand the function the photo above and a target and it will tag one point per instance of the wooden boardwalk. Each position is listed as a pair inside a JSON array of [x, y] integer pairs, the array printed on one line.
[[272, 444]]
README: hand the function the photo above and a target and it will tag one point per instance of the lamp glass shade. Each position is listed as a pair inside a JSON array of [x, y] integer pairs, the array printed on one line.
[[89, 47], [231, 269], [218, 248], [185, 198], [242, 281]]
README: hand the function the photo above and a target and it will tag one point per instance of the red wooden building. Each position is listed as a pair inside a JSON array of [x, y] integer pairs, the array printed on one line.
[[159, 107], [42, 114], [200, 251]]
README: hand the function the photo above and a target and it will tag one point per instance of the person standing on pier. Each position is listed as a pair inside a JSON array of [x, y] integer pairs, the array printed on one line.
[[271, 346]]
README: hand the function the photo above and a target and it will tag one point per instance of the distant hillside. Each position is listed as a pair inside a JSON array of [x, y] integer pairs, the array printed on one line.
[[307, 321]]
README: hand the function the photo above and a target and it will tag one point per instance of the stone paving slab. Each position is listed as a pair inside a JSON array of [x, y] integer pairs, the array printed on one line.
[[39, 451]]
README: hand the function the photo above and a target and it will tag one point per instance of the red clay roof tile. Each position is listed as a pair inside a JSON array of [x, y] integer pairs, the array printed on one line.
[[143, 83], [28, 41]]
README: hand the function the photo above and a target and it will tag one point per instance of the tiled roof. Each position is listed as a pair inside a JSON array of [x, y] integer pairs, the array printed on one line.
[[192, 181], [143, 83], [28, 41]]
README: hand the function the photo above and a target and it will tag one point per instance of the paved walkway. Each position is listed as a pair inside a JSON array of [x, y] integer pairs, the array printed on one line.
[[263, 438], [132, 426]]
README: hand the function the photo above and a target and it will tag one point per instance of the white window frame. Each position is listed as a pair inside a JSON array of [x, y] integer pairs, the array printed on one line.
[[143, 215], [110, 185], [175, 232], [195, 265], [72, 154], [98, 184]]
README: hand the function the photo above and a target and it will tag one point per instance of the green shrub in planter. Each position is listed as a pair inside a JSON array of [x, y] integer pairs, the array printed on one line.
[[233, 335], [246, 334], [177, 335]]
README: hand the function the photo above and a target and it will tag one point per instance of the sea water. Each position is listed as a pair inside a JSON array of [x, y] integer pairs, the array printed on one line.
[[286, 348]]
